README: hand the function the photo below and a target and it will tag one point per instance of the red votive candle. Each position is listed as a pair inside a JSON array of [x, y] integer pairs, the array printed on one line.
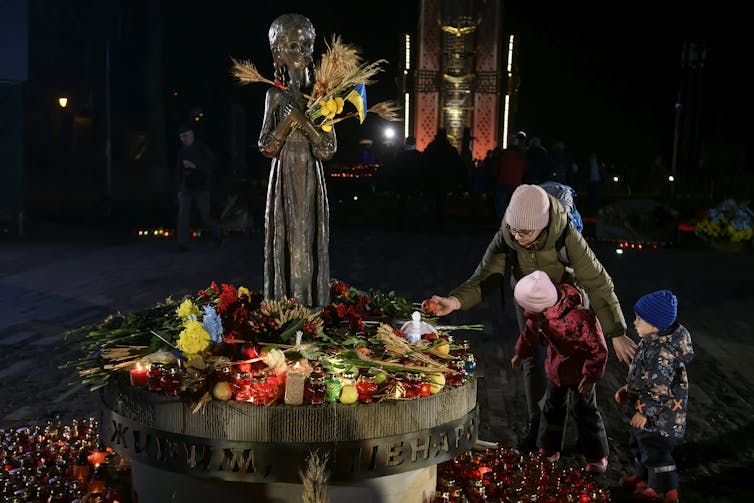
[[138, 375]]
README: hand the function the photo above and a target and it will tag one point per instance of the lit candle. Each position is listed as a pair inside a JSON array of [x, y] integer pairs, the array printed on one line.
[[138, 375], [294, 385]]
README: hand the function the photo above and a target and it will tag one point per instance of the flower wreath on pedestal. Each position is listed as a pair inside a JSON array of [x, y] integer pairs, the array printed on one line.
[[224, 330]]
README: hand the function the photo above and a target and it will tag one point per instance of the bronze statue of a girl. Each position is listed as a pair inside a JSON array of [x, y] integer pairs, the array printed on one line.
[[297, 227]]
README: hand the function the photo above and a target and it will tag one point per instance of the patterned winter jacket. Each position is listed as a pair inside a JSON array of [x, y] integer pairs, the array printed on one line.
[[576, 347], [657, 382], [583, 266]]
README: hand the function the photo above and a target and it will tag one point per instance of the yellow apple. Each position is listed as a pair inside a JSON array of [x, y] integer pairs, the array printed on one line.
[[222, 391], [437, 381], [442, 346], [349, 394]]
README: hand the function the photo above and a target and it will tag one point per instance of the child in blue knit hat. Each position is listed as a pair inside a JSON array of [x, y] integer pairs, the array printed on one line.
[[656, 397]]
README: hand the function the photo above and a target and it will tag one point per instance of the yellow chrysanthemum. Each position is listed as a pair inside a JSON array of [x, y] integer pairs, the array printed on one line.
[[194, 339], [186, 309], [327, 127], [242, 290]]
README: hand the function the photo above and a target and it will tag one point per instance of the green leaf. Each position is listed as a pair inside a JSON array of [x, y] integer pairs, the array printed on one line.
[[292, 327]]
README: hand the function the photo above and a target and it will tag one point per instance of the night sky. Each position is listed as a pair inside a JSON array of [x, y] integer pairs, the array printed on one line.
[[600, 76]]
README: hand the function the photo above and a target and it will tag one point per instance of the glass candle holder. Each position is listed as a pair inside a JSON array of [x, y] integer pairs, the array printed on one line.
[[413, 385], [366, 387], [315, 389], [138, 375], [348, 377], [456, 378], [171, 381], [333, 385], [260, 389], [469, 364], [154, 376], [242, 386]]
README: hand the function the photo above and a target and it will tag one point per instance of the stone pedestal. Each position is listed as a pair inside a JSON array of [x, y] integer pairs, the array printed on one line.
[[233, 451]]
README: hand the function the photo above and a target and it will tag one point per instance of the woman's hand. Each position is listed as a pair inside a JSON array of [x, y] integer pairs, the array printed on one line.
[[445, 305], [624, 348]]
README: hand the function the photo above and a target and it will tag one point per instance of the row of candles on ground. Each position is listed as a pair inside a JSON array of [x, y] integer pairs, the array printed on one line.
[[503, 474], [55, 464], [302, 385]]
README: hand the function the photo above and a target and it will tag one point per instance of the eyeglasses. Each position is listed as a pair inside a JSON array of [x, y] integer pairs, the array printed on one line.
[[519, 232]]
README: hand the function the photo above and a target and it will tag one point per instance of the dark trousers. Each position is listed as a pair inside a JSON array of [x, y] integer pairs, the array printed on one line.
[[591, 428], [186, 199], [653, 459], [535, 381]]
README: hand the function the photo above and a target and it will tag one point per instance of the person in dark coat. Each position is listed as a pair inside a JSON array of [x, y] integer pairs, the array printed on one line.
[[575, 362], [440, 165], [195, 168]]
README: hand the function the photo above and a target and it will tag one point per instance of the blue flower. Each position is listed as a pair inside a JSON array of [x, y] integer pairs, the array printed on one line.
[[213, 324]]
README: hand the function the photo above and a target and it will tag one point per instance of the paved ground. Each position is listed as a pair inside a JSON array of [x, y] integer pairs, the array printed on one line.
[[63, 276]]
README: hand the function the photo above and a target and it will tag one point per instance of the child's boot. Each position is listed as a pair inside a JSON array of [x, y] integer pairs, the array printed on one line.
[[649, 495], [551, 456], [596, 465], [632, 482]]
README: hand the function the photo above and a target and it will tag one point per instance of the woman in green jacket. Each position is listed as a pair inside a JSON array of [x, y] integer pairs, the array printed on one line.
[[536, 235]]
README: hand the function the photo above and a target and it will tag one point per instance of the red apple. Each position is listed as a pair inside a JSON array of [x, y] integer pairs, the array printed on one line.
[[430, 306]]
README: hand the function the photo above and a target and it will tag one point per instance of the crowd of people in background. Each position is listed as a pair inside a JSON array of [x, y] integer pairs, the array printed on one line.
[[441, 170]]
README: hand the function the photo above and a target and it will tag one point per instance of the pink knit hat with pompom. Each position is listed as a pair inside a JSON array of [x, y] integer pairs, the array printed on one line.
[[535, 292]]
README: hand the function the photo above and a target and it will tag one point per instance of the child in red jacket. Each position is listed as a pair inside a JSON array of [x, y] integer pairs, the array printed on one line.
[[576, 360]]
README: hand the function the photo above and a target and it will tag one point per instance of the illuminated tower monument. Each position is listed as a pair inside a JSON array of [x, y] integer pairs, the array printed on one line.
[[457, 80]]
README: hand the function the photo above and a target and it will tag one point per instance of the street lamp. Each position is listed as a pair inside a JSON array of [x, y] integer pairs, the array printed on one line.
[[63, 102], [389, 133]]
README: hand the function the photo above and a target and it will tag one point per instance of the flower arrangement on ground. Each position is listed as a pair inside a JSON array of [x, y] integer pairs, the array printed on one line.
[[218, 342], [729, 221]]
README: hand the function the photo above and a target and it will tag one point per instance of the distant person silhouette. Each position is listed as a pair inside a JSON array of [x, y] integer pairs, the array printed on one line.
[[196, 164], [596, 175], [562, 167], [510, 170], [440, 163], [537, 162]]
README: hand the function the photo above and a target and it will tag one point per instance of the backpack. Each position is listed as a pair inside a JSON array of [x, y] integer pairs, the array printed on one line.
[[566, 195]]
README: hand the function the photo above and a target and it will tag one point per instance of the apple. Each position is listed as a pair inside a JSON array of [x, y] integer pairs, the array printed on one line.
[[430, 306], [379, 376], [437, 381], [430, 336], [442, 346], [222, 391], [349, 394]]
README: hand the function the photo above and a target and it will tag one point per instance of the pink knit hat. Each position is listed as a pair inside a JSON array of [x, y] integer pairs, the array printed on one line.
[[528, 209], [535, 292]]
